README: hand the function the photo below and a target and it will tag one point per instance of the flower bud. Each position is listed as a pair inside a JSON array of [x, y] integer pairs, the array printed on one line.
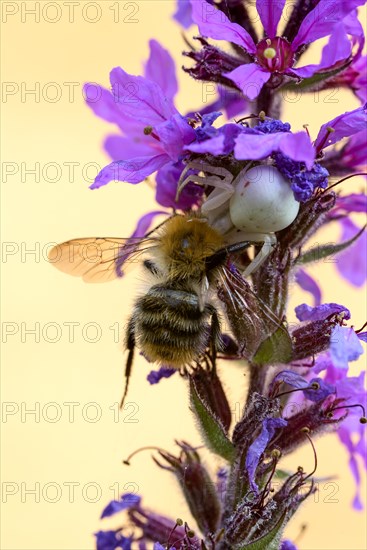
[[197, 486]]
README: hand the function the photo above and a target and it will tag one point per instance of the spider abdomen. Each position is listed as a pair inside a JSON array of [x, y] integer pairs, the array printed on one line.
[[263, 201]]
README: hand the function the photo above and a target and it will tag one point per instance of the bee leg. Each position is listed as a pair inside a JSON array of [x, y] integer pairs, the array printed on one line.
[[130, 345], [215, 335]]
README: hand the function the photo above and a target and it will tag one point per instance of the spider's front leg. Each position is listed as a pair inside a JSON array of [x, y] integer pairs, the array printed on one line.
[[269, 240], [220, 178]]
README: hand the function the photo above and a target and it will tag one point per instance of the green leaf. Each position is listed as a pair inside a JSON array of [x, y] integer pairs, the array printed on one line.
[[210, 426], [271, 541], [313, 81], [275, 349], [318, 253]]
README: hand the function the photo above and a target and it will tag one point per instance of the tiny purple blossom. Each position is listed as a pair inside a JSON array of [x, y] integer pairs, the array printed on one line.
[[257, 448], [293, 379], [156, 376], [321, 312], [111, 540], [352, 390], [128, 500], [287, 545]]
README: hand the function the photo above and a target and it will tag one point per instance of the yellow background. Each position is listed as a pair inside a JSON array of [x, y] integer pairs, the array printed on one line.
[[55, 127]]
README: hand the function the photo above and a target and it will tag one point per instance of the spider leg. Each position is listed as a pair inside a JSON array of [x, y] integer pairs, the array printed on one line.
[[269, 240], [220, 178]]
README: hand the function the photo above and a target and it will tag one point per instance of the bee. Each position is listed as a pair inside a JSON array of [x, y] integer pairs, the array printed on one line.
[[177, 319]]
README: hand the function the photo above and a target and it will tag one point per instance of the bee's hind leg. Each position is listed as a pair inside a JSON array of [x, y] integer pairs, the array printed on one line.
[[215, 340], [130, 346]]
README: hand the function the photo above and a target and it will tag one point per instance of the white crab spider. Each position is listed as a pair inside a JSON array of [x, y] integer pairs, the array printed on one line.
[[250, 206]]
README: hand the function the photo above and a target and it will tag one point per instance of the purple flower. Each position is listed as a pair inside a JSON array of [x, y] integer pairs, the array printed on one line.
[[353, 77], [287, 545], [352, 262], [319, 392], [156, 376], [345, 204], [143, 108], [350, 390], [257, 448], [258, 143], [230, 101], [183, 14], [345, 125], [321, 312], [274, 54], [355, 151], [109, 540], [128, 500], [304, 182], [344, 347]]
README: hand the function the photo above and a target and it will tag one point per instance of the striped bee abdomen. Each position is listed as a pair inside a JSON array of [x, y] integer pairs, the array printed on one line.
[[169, 327]]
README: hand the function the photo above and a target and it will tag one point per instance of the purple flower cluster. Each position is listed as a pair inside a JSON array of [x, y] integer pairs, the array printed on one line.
[[301, 385]]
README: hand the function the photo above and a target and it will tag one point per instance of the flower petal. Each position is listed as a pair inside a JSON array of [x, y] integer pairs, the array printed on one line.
[[109, 540], [355, 152], [308, 283], [287, 545], [270, 12], [103, 104], [322, 20], [355, 202], [174, 134], [124, 148], [321, 312], [166, 181], [344, 347], [337, 49], [214, 146], [156, 376], [213, 23], [140, 98], [344, 125], [134, 170], [160, 68], [250, 78], [255, 147], [128, 500], [352, 262], [183, 14], [298, 147], [256, 449]]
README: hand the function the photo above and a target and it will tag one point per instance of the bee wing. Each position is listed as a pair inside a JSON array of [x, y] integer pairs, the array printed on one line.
[[97, 259]]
